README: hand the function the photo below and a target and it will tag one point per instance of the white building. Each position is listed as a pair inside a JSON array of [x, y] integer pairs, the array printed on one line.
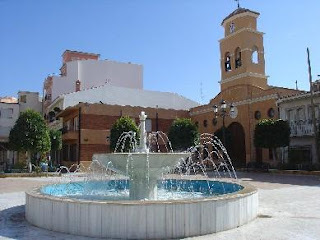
[[9, 113], [29, 100], [82, 70], [297, 111], [10, 109]]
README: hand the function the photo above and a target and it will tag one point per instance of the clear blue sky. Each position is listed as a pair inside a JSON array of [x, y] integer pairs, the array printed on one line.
[[175, 40]]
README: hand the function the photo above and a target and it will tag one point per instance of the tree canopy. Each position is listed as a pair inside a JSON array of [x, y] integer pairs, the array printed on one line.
[[270, 133], [183, 134], [55, 139], [123, 124], [30, 133]]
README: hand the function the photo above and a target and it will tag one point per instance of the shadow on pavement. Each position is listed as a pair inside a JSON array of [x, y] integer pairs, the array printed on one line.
[[290, 179]]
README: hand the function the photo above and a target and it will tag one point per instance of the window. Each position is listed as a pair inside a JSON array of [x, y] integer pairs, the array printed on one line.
[[227, 63], [257, 115], [214, 121], [52, 116], [255, 56], [271, 113], [316, 112], [300, 114], [23, 98], [238, 62], [6, 113], [205, 123], [148, 125], [76, 124], [232, 28], [291, 115], [68, 125], [47, 97]]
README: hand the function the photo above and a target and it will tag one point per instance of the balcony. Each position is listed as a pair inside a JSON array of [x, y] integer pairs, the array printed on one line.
[[69, 134], [302, 128]]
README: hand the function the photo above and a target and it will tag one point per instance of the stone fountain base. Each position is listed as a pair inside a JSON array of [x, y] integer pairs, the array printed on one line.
[[142, 219]]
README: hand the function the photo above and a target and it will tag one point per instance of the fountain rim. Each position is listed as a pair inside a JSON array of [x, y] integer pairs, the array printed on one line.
[[247, 190], [143, 153]]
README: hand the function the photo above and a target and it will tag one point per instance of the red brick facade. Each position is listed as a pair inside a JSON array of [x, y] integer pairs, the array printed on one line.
[[95, 122]]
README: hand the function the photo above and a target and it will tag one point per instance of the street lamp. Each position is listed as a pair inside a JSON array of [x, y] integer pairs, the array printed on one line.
[[223, 113]]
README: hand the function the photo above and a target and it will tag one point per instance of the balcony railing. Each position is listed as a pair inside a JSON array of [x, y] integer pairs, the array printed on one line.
[[302, 128]]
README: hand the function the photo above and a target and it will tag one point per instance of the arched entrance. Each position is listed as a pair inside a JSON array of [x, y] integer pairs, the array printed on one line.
[[237, 148]]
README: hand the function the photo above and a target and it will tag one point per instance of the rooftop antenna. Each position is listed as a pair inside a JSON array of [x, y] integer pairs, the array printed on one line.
[[238, 1]]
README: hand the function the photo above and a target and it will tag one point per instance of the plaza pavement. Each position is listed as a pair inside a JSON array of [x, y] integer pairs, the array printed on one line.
[[289, 208]]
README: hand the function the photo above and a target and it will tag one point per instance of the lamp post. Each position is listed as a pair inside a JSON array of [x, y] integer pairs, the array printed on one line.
[[222, 112]]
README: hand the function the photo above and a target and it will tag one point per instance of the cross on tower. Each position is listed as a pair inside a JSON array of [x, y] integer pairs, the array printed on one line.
[[238, 1]]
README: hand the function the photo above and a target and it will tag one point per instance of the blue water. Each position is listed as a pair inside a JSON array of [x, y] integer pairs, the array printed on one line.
[[170, 189]]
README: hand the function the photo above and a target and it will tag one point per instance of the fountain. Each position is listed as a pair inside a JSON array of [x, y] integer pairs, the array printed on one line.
[[143, 167], [128, 195]]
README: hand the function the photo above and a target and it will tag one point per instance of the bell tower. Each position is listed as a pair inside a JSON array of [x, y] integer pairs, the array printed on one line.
[[242, 51]]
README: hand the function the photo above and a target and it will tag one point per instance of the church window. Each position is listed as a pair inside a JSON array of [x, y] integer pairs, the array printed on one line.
[[257, 115], [238, 57], [231, 27], [271, 113], [227, 63], [205, 123], [214, 121], [254, 56]]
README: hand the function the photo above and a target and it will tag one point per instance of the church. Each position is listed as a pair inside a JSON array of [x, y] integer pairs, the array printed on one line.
[[243, 88]]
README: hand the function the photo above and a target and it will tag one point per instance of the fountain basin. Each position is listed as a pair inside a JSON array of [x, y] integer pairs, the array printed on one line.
[[154, 219]]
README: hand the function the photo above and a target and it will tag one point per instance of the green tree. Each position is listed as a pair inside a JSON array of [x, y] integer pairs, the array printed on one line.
[[183, 134], [30, 134], [55, 139], [56, 142], [270, 133], [123, 124]]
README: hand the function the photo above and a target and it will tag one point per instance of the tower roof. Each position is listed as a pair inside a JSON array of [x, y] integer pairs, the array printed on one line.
[[239, 11]]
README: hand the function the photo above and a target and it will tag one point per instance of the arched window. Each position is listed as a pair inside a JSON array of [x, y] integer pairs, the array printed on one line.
[[271, 113], [255, 56], [205, 123], [227, 63], [238, 57]]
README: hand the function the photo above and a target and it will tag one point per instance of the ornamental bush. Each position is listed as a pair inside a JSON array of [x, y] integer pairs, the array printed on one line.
[[183, 134], [270, 133], [123, 124]]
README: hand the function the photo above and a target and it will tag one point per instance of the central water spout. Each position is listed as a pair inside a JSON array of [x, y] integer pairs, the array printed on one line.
[[143, 134]]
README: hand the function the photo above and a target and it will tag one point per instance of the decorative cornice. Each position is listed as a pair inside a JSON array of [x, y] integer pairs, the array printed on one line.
[[242, 75], [239, 31], [239, 103]]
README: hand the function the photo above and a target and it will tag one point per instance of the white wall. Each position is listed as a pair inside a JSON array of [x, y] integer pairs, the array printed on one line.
[[7, 122], [94, 73], [32, 101]]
